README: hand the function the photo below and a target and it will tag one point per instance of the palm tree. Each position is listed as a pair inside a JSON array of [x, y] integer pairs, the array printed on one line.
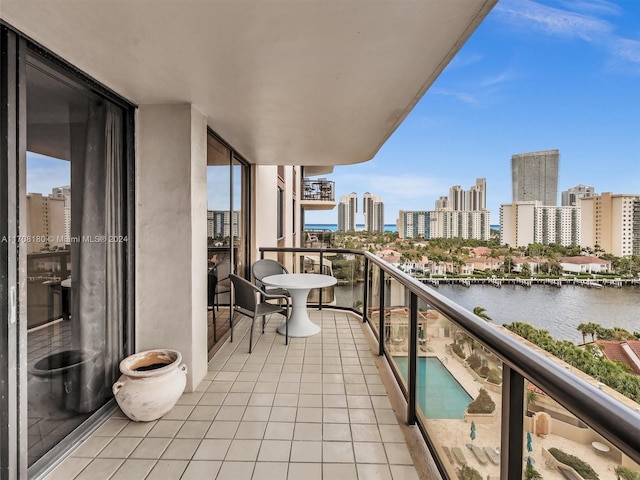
[[468, 473], [532, 397], [482, 313], [531, 473]]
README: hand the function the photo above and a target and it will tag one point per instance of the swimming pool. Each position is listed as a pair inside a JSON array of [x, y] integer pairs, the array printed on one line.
[[439, 393]]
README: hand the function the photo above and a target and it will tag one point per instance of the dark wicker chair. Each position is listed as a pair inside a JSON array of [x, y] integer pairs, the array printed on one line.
[[264, 268], [245, 302]]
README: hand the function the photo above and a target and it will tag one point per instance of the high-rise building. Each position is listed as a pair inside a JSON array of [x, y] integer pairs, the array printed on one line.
[[442, 203], [477, 195], [49, 219], [347, 211], [460, 200], [373, 209], [457, 198], [612, 222], [524, 223], [535, 177], [220, 223], [444, 224], [571, 197]]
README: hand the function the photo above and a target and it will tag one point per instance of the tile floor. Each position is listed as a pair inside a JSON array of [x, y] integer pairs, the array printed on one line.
[[315, 409]]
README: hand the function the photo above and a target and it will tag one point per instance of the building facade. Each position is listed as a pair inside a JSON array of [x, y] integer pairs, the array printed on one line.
[[347, 212], [611, 222], [571, 197], [373, 210], [525, 223], [221, 223], [459, 199], [534, 177], [430, 224]]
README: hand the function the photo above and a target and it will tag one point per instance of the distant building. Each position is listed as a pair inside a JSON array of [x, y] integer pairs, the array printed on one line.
[[477, 195], [585, 264], [430, 224], [48, 219], [460, 200], [347, 211], [571, 197], [373, 209], [442, 203], [221, 222], [535, 177], [524, 223], [612, 222]]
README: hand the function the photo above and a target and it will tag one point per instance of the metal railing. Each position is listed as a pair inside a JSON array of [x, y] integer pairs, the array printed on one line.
[[319, 189], [610, 419]]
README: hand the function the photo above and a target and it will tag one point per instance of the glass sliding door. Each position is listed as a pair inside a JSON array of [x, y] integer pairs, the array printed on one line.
[[238, 209], [227, 192], [73, 210]]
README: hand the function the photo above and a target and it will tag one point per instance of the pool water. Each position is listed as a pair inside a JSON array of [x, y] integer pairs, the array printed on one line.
[[439, 393]]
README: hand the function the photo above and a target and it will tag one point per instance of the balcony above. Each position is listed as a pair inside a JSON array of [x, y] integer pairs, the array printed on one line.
[[318, 194]]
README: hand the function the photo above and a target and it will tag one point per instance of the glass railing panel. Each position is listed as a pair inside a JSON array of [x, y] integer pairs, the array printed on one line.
[[556, 440], [348, 269], [458, 397], [373, 308], [397, 328]]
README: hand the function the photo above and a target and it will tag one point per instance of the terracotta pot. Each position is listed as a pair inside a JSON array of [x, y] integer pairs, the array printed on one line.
[[151, 384]]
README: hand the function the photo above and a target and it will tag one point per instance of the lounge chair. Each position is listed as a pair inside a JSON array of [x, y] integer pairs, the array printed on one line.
[[479, 454], [458, 455], [493, 456], [447, 452]]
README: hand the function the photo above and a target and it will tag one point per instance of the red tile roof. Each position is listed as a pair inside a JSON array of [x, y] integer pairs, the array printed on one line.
[[613, 350]]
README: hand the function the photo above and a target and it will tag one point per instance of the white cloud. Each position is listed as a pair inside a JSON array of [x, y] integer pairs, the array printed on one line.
[[555, 21], [496, 79], [45, 173], [464, 97], [579, 20], [463, 60], [626, 49]]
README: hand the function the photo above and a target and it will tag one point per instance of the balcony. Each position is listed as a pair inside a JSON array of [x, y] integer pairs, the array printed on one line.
[[318, 194], [381, 392]]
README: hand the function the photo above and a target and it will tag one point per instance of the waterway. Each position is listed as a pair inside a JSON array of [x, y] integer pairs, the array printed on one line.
[[558, 310]]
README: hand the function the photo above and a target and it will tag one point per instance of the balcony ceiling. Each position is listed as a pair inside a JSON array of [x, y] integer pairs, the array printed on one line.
[[312, 82]]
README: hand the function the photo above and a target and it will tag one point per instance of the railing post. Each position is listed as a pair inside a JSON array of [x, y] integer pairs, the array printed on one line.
[[381, 326], [321, 271], [413, 359], [365, 291], [512, 423]]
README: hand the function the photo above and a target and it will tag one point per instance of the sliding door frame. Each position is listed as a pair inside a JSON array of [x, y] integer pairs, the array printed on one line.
[[14, 49]]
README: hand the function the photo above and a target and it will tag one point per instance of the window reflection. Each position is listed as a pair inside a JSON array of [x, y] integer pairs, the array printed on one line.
[[75, 242]]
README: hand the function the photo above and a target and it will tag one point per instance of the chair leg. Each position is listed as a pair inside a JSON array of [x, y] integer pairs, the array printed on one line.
[[264, 320], [251, 333], [231, 324]]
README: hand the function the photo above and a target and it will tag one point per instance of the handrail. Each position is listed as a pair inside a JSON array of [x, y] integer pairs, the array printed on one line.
[[616, 422]]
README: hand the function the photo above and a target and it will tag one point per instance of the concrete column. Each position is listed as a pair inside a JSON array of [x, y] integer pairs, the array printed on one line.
[[171, 234]]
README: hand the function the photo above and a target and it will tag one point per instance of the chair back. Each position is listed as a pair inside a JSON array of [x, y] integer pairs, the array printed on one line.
[[264, 268], [223, 269], [244, 295]]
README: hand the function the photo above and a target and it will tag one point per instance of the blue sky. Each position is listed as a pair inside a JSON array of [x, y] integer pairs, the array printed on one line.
[[536, 75]]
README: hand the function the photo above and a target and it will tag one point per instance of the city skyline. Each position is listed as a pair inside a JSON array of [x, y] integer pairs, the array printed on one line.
[[535, 76]]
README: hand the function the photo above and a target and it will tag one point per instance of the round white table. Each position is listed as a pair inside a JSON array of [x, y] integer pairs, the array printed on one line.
[[299, 285]]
